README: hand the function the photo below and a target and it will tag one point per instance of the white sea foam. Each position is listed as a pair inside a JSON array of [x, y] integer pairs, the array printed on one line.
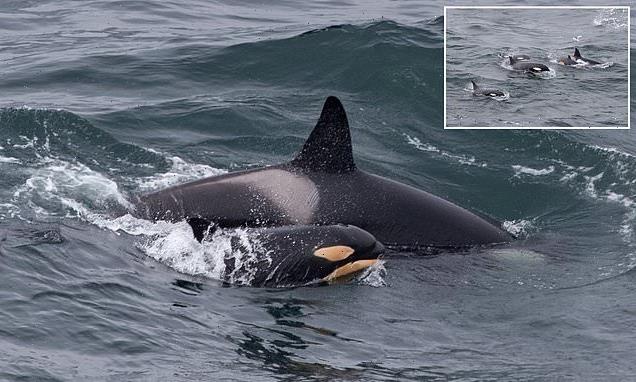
[[9, 160], [8, 210], [519, 170], [518, 228], [179, 250], [171, 244], [613, 151], [568, 177], [590, 187], [28, 142], [373, 276], [70, 185], [427, 147], [180, 172], [420, 145]]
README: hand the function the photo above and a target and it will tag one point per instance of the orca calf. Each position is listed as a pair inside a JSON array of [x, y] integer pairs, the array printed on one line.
[[299, 255], [567, 61], [323, 186], [528, 67], [493, 93], [577, 56]]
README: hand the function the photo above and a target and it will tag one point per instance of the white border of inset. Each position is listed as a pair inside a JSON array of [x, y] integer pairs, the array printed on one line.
[[629, 46]]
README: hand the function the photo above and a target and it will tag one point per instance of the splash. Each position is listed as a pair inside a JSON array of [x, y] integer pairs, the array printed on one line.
[[180, 172], [374, 276], [68, 189], [518, 228]]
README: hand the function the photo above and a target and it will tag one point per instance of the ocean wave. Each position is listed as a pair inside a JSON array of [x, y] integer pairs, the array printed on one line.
[[70, 189], [31, 135]]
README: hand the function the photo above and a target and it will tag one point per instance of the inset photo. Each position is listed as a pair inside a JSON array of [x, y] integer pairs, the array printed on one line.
[[510, 67]]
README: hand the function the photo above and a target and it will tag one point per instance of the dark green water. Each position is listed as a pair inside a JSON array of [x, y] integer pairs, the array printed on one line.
[[107, 99]]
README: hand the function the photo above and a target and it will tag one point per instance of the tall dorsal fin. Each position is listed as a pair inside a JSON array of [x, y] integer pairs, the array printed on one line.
[[512, 60], [577, 53], [475, 87], [328, 147]]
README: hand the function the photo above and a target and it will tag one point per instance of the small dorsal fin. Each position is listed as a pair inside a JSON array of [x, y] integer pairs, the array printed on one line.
[[328, 147], [577, 53], [475, 87], [512, 60]]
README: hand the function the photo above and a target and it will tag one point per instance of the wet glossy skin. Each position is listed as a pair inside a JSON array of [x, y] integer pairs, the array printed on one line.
[[397, 214], [322, 186], [300, 255]]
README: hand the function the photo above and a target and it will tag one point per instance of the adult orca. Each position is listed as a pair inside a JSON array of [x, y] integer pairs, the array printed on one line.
[[528, 67], [577, 56], [321, 186], [488, 92], [298, 255]]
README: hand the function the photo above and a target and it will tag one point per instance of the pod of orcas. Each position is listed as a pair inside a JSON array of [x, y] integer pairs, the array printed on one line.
[[321, 187], [522, 63]]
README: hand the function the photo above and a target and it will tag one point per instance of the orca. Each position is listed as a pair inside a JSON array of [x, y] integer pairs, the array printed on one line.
[[298, 255], [577, 56], [528, 67], [521, 57], [323, 186], [488, 92], [567, 61]]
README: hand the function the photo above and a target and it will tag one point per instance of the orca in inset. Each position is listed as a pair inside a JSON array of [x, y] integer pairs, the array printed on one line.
[[323, 186], [521, 57], [577, 56], [299, 255], [567, 61], [528, 67], [488, 92]]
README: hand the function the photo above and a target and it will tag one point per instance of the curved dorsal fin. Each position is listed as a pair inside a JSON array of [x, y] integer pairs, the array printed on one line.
[[577, 53], [328, 147], [475, 87]]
